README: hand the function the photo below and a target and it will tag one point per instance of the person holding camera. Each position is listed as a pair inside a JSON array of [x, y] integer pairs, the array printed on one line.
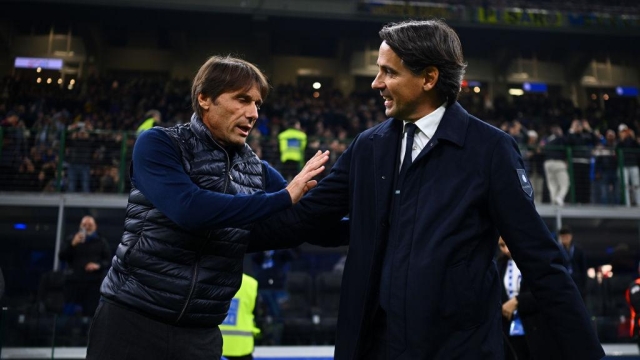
[[88, 256]]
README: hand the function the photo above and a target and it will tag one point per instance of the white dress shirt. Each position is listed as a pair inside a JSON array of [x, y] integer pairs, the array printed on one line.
[[426, 128], [512, 279]]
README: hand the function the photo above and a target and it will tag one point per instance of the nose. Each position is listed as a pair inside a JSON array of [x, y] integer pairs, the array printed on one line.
[[377, 84], [252, 113]]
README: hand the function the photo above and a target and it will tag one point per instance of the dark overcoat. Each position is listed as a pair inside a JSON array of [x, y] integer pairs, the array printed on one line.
[[466, 186]]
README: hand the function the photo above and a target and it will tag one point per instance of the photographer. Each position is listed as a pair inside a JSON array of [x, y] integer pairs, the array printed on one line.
[[88, 256]]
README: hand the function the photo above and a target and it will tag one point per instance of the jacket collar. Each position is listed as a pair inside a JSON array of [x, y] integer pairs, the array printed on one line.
[[204, 135], [201, 131], [452, 127]]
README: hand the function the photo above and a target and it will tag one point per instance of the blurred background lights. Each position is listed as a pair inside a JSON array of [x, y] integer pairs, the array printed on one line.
[[20, 226], [516, 92]]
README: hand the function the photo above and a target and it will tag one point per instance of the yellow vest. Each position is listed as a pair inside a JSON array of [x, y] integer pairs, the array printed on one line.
[[238, 328], [146, 125], [292, 145]]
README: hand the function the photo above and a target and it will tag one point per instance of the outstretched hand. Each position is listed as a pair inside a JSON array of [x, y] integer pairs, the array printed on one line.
[[303, 181]]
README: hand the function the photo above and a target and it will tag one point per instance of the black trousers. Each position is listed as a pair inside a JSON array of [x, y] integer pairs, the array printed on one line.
[[121, 334], [516, 348]]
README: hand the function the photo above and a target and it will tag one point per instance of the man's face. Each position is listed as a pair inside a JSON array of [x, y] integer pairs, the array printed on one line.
[[89, 224], [503, 248], [403, 91], [624, 134], [13, 119], [565, 239], [231, 116]]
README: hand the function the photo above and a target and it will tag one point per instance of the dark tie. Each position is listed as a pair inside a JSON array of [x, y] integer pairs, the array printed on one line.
[[410, 129]]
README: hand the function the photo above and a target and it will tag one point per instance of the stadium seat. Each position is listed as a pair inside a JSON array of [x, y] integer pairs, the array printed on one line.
[[297, 311], [328, 300]]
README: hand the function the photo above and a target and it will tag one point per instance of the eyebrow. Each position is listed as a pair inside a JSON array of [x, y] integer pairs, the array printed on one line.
[[387, 68], [247, 96]]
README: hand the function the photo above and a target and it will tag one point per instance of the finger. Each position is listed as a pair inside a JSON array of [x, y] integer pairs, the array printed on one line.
[[310, 185], [315, 162], [312, 173], [319, 155], [312, 170]]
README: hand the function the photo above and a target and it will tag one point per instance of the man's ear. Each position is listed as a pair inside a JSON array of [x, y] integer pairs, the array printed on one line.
[[431, 75], [204, 101]]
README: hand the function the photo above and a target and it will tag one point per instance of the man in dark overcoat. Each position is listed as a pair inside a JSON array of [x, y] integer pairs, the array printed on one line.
[[427, 193]]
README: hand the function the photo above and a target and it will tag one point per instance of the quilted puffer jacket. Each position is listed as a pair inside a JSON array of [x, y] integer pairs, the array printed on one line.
[[174, 275]]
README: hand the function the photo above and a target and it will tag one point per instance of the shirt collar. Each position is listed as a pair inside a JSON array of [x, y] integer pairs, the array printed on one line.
[[429, 123]]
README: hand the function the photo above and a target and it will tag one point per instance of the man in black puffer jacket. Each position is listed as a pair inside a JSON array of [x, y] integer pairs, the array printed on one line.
[[196, 188]]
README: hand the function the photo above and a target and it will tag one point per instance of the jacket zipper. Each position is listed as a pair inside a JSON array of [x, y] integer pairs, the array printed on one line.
[[193, 281], [228, 170]]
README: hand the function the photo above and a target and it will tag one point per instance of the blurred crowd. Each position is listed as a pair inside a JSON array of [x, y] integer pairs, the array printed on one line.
[[80, 139], [577, 6]]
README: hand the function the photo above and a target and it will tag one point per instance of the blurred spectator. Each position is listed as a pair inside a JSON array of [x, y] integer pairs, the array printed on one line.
[[47, 171], [44, 130], [292, 144], [79, 157], [533, 160], [88, 256], [14, 147], [110, 180], [631, 173], [577, 260], [555, 166], [27, 178], [582, 140], [152, 118], [518, 132], [271, 273], [606, 189]]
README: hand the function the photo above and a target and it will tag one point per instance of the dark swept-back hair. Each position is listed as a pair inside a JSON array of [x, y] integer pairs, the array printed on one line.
[[222, 74], [429, 43]]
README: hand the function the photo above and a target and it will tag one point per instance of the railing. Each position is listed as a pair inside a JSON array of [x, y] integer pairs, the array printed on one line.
[[64, 161], [597, 175], [97, 161]]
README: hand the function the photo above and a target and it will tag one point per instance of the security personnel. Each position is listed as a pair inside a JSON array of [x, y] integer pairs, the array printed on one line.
[[238, 329], [152, 118], [293, 142]]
